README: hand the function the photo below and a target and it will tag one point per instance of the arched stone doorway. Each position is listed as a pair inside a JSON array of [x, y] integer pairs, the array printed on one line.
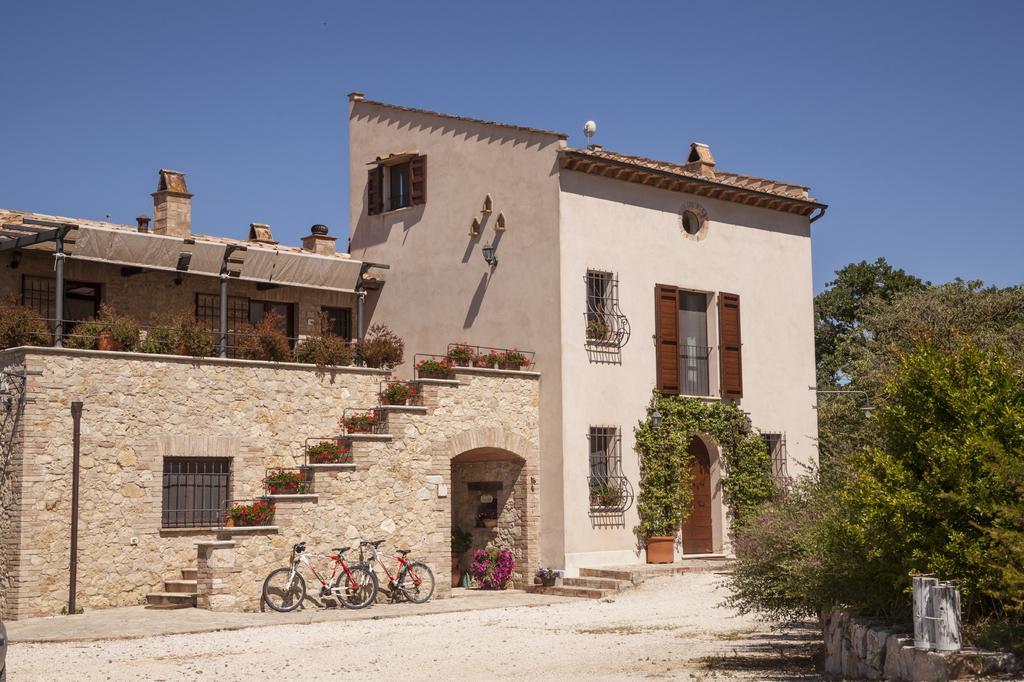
[[491, 500], [698, 529]]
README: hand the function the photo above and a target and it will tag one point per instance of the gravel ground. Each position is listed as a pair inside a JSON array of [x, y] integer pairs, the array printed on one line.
[[670, 627]]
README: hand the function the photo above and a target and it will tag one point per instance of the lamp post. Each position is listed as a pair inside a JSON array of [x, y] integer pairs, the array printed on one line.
[[489, 256], [654, 414]]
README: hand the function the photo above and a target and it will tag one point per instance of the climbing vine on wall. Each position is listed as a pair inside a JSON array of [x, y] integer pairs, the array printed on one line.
[[665, 494]]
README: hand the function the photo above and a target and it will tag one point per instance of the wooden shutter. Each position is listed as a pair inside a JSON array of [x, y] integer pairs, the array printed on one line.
[[729, 344], [418, 179], [374, 193], [666, 337]]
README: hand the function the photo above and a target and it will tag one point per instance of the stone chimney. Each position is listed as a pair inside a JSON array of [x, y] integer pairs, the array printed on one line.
[[318, 242], [260, 233], [172, 205], [143, 223], [701, 160]]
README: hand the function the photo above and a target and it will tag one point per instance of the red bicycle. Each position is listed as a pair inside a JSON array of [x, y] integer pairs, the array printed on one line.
[[353, 587], [413, 580]]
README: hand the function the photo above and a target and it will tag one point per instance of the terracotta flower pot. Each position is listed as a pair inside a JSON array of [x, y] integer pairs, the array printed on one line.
[[456, 569], [104, 341], [661, 549]]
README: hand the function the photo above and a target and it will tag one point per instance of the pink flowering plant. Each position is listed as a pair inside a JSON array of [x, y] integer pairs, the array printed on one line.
[[492, 567]]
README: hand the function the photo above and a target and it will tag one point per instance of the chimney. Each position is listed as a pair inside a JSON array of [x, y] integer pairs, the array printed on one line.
[[318, 242], [172, 205], [260, 233], [701, 160], [143, 221]]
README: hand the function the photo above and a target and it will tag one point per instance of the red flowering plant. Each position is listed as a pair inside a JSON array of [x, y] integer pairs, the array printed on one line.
[[492, 567], [432, 368], [461, 354], [489, 359], [285, 482], [513, 359], [259, 513], [361, 422], [397, 392], [327, 452]]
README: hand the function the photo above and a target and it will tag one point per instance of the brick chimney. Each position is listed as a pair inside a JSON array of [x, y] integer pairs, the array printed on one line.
[[701, 160], [318, 242], [172, 205]]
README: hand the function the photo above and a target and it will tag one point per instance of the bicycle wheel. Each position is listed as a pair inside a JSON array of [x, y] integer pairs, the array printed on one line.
[[421, 593], [365, 592], [283, 593]]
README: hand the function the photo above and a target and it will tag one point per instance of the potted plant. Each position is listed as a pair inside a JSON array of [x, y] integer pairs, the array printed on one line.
[[432, 368], [259, 513], [490, 359], [513, 359], [605, 496], [327, 452], [381, 347], [461, 354], [597, 330], [397, 393], [462, 542], [492, 567], [361, 422], [285, 482], [549, 577]]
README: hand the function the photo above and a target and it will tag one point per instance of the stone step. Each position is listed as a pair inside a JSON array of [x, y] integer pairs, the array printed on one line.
[[569, 591], [189, 573], [598, 583], [643, 572], [178, 586], [182, 599]]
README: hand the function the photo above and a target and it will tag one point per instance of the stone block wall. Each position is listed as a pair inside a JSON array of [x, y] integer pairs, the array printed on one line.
[[142, 408]]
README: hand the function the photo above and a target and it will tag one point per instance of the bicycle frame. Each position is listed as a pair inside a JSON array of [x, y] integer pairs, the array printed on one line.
[[332, 583], [403, 567]]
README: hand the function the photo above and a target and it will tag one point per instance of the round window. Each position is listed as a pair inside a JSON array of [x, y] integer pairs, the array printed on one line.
[[692, 222]]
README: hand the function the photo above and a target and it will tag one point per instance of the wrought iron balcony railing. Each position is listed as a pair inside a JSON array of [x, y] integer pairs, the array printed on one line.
[[610, 494]]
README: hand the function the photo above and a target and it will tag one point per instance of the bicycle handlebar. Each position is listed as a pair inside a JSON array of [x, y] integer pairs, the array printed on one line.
[[299, 548]]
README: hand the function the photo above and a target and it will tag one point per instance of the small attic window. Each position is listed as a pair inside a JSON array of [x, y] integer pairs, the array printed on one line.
[[499, 224], [488, 205], [474, 228], [691, 222]]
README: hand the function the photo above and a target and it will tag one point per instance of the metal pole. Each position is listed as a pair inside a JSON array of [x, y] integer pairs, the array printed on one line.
[[76, 415], [58, 295], [223, 345], [360, 297]]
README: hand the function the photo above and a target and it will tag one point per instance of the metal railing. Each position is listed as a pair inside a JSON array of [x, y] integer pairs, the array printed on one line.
[[694, 365], [393, 389], [288, 481], [606, 326], [364, 420], [326, 450], [430, 366], [466, 355], [228, 520], [194, 492], [610, 494]]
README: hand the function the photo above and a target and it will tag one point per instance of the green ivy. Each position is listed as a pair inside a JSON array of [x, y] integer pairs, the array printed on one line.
[[665, 494]]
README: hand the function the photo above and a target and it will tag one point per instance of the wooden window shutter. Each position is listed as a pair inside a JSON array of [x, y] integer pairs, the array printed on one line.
[[666, 337], [374, 190], [418, 179], [730, 345]]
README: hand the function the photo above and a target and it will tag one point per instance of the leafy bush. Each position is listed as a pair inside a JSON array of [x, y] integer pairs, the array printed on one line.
[[492, 567], [178, 335], [21, 326], [325, 350], [263, 340], [381, 347], [462, 541], [84, 335], [397, 392]]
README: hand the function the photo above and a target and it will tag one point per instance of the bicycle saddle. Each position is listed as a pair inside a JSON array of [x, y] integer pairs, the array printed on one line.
[[375, 543], [403, 552], [340, 550]]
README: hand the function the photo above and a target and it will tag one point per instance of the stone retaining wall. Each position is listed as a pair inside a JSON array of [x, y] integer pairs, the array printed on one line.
[[856, 649], [142, 408]]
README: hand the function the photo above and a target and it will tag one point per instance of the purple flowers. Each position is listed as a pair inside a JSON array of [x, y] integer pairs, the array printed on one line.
[[492, 567]]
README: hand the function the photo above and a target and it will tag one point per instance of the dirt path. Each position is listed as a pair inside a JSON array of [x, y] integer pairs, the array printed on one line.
[[670, 627]]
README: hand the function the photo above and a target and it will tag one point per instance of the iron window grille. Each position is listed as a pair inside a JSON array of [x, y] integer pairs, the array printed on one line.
[[195, 491], [208, 315], [608, 490], [776, 445], [606, 325]]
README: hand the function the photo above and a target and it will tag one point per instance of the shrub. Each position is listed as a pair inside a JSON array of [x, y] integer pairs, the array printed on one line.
[[21, 326], [381, 347], [492, 567], [462, 541], [397, 392], [84, 335], [259, 513], [124, 330], [263, 340], [325, 350]]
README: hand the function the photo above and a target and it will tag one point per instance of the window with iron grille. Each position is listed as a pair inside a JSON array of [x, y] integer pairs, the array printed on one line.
[[208, 315], [776, 445], [337, 321], [81, 299], [609, 489], [606, 325], [195, 491]]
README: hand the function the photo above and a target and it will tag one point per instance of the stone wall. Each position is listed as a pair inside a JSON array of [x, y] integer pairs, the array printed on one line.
[[141, 408], [856, 649]]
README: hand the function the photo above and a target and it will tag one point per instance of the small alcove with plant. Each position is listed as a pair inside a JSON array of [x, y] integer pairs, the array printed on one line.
[[662, 444]]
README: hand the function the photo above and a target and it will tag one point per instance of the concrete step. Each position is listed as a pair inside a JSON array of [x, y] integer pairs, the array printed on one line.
[[178, 586], [569, 591], [642, 572], [598, 583], [181, 599], [189, 573]]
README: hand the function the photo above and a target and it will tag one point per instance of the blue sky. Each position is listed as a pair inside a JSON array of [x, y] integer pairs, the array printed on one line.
[[904, 117]]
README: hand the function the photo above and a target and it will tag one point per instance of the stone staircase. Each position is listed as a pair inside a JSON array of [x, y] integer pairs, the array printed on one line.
[[179, 593], [605, 581]]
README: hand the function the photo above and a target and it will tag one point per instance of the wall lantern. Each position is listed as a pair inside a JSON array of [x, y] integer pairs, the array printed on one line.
[[489, 256], [655, 416]]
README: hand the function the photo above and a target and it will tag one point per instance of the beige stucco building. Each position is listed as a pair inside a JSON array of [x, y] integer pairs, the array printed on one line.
[[624, 274]]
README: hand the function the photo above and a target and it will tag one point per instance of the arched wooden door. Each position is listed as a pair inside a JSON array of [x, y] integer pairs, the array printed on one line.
[[696, 531]]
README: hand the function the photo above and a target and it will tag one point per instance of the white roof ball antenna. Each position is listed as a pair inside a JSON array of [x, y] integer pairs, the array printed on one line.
[[589, 128]]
